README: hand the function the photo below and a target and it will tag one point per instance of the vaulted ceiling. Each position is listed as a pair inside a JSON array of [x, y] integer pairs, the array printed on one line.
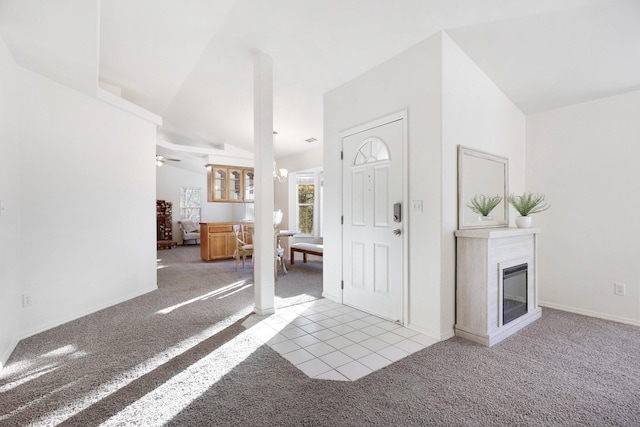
[[190, 61]]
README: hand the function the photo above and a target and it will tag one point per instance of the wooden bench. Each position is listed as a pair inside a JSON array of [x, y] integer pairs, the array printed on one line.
[[305, 248]]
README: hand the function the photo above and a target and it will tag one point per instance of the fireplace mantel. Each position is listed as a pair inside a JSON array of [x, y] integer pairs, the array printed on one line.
[[482, 256]]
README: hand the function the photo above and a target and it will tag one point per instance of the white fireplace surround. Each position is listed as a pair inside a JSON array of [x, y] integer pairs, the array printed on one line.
[[482, 256]]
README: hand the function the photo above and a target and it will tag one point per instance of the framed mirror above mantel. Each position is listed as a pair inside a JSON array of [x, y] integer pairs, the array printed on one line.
[[230, 184], [482, 174]]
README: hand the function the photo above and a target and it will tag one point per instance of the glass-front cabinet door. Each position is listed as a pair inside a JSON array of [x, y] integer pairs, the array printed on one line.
[[249, 186], [219, 184], [235, 185], [230, 184]]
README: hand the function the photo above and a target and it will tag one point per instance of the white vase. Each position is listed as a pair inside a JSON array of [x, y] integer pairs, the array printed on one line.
[[523, 221]]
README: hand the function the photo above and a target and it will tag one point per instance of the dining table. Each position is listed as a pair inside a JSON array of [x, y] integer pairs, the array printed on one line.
[[279, 250]]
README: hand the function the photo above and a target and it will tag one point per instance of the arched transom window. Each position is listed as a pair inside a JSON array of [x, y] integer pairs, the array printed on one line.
[[370, 151]]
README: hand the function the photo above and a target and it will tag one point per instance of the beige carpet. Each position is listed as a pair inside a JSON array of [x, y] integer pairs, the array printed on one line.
[[179, 356]]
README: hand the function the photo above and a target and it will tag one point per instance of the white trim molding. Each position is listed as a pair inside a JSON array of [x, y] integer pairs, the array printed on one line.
[[589, 313]]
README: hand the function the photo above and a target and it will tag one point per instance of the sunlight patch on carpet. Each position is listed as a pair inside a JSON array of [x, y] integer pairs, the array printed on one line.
[[236, 291], [124, 378], [229, 288], [25, 379], [43, 421], [176, 394], [68, 351]]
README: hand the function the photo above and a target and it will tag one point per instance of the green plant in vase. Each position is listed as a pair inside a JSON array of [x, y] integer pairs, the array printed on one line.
[[484, 204], [527, 204]]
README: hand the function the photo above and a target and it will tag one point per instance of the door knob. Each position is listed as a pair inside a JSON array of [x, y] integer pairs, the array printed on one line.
[[397, 232]]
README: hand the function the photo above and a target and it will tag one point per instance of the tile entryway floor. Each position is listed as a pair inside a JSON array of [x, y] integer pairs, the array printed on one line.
[[331, 341]]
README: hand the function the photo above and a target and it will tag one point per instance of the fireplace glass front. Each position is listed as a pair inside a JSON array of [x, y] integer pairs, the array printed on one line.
[[514, 293]]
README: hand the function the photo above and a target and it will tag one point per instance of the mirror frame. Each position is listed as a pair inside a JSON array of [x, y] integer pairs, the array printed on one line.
[[466, 151]]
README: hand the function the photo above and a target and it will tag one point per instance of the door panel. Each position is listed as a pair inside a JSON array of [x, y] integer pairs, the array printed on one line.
[[357, 198], [358, 257], [381, 197], [381, 269], [373, 253]]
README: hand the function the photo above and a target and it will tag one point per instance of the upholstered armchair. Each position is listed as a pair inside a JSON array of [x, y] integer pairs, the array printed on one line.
[[190, 231]]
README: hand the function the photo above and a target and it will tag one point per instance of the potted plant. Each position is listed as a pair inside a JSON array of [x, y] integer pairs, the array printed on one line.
[[483, 205], [526, 204]]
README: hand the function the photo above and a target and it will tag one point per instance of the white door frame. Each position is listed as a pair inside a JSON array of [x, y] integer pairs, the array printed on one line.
[[400, 115]]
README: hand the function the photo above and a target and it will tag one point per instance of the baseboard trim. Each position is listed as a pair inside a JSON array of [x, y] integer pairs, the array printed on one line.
[[431, 334], [264, 312], [333, 298], [7, 353], [505, 331], [46, 327], [589, 313], [446, 335]]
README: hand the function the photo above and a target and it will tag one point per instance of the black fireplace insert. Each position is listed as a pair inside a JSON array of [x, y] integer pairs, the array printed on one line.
[[514, 292]]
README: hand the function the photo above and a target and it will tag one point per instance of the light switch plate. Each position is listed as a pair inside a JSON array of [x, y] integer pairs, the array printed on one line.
[[416, 206]]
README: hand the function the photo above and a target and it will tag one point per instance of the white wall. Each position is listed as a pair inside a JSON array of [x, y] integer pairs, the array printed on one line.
[[585, 159], [79, 180], [170, 178], [409, 81], [10, 298], [476, 114], [450, 102]]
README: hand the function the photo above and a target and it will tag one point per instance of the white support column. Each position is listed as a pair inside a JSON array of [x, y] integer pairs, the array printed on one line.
[[263, 241]]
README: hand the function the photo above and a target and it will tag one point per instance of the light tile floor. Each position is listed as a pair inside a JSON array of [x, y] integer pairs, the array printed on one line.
[[331, 341]]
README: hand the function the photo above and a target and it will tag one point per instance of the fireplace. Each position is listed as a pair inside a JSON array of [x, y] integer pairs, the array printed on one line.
[[514, 292], [496, 284]]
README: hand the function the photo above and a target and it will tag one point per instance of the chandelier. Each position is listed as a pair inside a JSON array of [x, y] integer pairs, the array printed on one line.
[[279, 174]]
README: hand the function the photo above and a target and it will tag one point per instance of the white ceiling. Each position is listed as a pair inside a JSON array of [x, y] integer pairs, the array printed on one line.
[[191, 61], [565, 57]]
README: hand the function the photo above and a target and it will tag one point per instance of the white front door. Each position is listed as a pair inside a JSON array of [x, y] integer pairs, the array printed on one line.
[[372, 239]]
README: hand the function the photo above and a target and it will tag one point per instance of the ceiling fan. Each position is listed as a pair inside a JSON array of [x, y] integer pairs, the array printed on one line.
[[161, 159]]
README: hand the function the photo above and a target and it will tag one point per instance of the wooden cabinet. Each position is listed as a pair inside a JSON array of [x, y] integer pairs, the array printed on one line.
[[230, 184], [217, 240]]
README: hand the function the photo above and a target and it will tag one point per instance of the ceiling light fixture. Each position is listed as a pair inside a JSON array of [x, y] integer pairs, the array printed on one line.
[[161, 159], [279, 174]]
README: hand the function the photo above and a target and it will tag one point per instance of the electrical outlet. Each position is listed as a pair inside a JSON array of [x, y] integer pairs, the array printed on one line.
[[619, 289], [26, 300]]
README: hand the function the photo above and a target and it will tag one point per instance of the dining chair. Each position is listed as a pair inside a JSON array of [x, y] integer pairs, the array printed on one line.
[[279, 254], [242, 248]]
